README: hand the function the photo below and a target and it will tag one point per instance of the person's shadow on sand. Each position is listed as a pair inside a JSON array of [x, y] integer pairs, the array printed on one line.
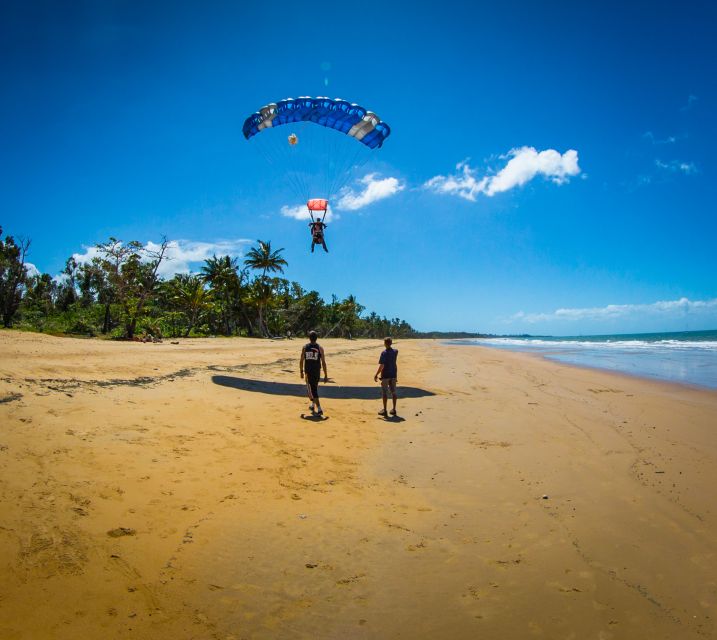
[[391, 418], [312, 417], [334, 392]]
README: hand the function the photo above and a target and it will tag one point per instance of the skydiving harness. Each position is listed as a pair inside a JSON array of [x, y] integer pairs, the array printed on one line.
[[317, 225], [317, 230]]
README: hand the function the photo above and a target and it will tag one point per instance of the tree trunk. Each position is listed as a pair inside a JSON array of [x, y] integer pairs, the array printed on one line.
[[333, 328], [248, 321], [106, 323], [262, 328], [192, 322]]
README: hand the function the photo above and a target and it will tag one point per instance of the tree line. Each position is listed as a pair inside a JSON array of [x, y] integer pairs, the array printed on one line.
[[120, 293]]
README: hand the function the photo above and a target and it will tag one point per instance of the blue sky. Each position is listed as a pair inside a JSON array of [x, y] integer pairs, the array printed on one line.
[[550, 168]]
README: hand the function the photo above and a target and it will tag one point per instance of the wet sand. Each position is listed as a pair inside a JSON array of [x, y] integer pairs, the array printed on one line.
[[183, 491]]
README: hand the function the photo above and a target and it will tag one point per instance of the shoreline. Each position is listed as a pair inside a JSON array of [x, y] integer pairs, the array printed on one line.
[[544, 356], [175, 506], [614, 372], [446, 342]]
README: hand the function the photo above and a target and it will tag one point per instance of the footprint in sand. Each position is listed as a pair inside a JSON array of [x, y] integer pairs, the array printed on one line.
[[52, 552], [134, 577], [119, 532]]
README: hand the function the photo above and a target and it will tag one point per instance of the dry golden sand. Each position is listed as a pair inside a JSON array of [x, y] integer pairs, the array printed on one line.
[[174, 491]]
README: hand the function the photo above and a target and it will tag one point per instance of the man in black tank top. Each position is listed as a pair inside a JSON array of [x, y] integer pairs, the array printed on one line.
[[312, 360]]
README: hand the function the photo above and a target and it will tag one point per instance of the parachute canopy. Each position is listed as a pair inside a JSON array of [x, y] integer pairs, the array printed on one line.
[[317, 204], [343, 116]]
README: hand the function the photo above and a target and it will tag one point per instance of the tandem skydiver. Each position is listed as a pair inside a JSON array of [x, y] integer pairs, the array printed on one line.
[[317, 234]]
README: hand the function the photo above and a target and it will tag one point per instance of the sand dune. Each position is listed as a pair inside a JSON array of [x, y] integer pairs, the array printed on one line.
[[182, 491]]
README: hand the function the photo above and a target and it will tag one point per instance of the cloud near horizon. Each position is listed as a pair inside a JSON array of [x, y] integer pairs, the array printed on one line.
[[31, 270], [180, 253], [525, 163], [663, 308]]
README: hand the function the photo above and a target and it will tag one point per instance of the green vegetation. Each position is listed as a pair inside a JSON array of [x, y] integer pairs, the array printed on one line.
[[12, 276], [120, 294]]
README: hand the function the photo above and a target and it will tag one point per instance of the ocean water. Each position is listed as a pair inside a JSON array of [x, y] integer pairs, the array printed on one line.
[[688, 357]]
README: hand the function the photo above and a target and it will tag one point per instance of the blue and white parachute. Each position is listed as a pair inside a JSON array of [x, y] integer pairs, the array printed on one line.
[[340, 115]]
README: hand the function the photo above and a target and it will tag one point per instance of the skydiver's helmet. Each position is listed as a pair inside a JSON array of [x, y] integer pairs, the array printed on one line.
[[293, 139]]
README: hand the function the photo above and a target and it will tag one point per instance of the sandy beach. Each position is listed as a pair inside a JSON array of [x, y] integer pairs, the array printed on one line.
[[183, 491]]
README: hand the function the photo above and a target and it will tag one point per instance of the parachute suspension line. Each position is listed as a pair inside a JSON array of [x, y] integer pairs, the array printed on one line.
[[353, 163], [308, 155], [333, 159], [298, 168], [293, 165], [322, 149], [272, 148], [344, 171]]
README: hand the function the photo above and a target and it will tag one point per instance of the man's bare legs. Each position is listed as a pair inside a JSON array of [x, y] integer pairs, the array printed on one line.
[[384, 397]]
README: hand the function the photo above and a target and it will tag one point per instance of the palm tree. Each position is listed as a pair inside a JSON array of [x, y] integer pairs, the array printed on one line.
[[265, 259], [262, 257], [221, 275], [349, 315], [218, 271], [186, 293]]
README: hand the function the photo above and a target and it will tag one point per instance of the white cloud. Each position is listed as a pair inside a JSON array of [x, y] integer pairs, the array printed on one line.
[[464, 185], [373, 189], [301, 212], [181, 254], [525, 164], [648, 135], [87, 256], [663, 308], [677, 166], [691, 100], [31, 270]]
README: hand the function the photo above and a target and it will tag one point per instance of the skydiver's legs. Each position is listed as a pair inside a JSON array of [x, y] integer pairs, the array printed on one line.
[[312, 246], [323, 244]]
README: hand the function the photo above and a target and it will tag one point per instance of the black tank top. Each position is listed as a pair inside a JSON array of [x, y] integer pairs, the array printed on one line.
[[312, 358]]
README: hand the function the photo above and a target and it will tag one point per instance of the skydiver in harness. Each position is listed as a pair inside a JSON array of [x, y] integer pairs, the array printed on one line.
[[317, 234], [317, 225]]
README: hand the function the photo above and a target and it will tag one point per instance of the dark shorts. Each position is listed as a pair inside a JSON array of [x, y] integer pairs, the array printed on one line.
[[312, 383], [388, 383]]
